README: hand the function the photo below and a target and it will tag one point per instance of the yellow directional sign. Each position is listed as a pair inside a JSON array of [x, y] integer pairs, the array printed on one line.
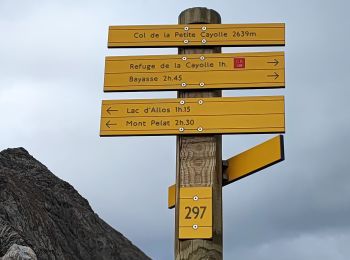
[[195, 71], [231, 115], [195, 212], [248, 162], [255, 159], [197, 35]]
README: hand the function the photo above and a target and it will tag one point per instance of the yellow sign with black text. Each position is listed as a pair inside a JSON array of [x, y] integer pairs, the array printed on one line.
[[268, 34], [195, 213], [195, 71], [223, 115]]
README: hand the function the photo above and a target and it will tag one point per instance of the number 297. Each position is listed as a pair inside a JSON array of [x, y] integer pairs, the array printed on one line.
[[195, 212]]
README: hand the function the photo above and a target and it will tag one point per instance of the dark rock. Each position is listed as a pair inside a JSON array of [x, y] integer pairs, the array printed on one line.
[[41, 211]]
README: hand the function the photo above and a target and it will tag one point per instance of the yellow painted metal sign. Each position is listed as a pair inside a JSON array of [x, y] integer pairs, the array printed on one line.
[[195, 71], [269, 34], [195, 213], [231, 115], [255, 159], [248, 162], [171, 196]]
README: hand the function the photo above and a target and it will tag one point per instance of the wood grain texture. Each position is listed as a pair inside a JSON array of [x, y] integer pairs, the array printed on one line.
[[198, 161]]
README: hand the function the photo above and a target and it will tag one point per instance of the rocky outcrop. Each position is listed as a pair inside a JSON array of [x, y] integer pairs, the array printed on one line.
[[41, 211], [17, 252]]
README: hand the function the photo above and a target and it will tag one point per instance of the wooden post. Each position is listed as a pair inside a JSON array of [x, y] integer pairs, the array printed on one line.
[[199, 160]]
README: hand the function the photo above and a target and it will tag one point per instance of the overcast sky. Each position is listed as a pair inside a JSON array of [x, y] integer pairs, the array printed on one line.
[[51, 80]]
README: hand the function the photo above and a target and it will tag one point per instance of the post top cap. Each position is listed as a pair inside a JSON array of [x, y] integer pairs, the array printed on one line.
[[199, 15]]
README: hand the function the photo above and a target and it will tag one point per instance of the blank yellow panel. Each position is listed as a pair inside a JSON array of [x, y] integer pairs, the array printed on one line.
[[200, 233], [254, 159], [200, 192], [171, 196]]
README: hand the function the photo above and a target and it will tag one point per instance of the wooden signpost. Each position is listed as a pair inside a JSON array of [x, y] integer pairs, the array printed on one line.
[[195, 71], [198, 158], [199, 115]]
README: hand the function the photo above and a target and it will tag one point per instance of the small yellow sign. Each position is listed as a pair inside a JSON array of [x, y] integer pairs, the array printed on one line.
[[269, 34], [195, 213], [235, 115], [171, 196], [195, 71]]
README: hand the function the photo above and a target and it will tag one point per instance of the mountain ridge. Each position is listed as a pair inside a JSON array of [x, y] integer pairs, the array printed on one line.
[[45, 213]]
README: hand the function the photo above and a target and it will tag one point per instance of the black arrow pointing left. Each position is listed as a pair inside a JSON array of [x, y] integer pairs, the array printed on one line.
[[108, 124], [109, 110]]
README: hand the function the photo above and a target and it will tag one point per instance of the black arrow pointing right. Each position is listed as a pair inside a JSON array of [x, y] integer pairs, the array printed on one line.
[[275, 62], [275, 75]]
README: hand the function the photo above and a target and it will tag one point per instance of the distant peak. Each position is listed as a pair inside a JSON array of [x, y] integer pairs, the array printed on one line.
[[18, 150], [18, 158]]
